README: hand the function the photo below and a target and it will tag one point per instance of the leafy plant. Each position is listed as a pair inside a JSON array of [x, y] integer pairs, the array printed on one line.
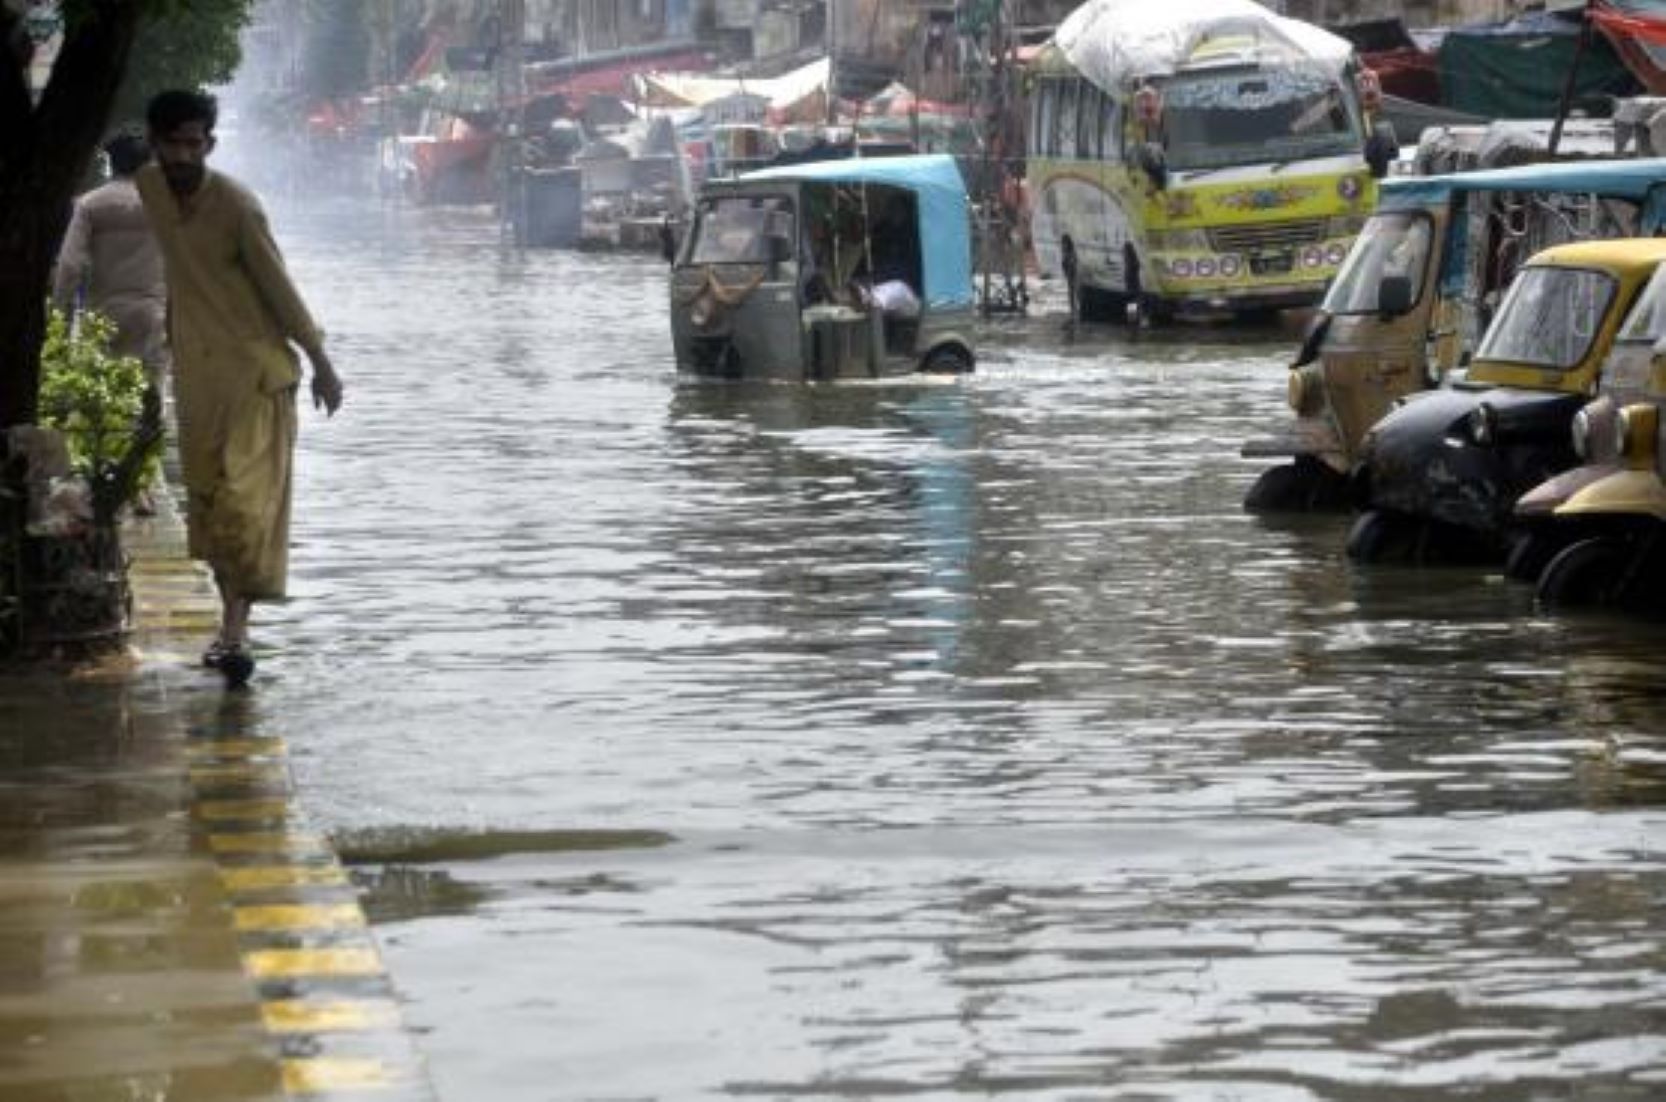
[[101, 403]]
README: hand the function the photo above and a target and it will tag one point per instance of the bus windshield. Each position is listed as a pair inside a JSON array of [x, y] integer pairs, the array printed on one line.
[[1392, 244], [1252, 116]]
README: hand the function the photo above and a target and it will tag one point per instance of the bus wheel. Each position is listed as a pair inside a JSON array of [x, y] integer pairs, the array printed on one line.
[[1067, 262], [1591, 572], [1097, 304]]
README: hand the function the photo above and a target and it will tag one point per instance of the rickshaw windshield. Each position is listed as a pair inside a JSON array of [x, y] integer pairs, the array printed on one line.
[[737, 229], [1646, 324], [1549, 317], [1252, 116], [1395, 244]]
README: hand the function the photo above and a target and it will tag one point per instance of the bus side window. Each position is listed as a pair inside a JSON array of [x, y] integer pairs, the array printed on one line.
[[1087, 123], [1047, 138], [1110, 130], [1034, 145], [1066, 128]]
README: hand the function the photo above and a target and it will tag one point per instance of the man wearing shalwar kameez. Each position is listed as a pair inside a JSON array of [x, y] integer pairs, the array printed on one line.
[[232, 313]]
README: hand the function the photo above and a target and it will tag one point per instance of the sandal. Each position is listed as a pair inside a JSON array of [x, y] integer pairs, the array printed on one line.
[[215, 653], [237, 666]]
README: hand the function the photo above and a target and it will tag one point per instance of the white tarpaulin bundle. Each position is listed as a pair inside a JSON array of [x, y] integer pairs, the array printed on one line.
[[697, 89], [1113, 42]]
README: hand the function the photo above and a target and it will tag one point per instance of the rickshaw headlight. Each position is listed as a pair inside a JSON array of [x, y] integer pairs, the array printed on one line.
[[1582, 435], [1483, 425], [1305, 390], [1639, 426]]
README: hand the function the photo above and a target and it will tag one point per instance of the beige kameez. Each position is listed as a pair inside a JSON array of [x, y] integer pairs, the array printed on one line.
[[232, 313]]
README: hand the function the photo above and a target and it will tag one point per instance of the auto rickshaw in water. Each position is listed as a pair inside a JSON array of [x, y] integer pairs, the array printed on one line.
[[1439, 476], [850, 269], [1414, 294], [1596, 535]]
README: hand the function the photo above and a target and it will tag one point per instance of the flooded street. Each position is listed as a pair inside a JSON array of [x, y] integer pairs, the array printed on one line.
[[937, 740]]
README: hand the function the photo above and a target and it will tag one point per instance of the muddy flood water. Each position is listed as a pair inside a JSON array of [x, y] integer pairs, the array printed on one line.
[[932, 741]]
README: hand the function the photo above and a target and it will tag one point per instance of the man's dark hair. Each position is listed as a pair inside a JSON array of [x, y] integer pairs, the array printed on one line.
[[127, 150], [172, 109]]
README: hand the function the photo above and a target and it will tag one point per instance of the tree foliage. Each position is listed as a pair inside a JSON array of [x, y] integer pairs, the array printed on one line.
[[184, 45], [47, 142]]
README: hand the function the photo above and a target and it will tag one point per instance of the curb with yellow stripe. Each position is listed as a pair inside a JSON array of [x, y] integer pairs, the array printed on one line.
[[324, 995]]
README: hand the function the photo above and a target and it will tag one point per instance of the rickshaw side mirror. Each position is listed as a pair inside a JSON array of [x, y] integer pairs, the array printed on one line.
[[1381, 148], [1394, 296]]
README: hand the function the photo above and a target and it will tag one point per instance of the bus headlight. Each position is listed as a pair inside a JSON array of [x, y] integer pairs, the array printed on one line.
[[1483, 425]]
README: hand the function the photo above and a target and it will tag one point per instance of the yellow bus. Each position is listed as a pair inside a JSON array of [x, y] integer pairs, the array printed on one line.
[[1187, 154]]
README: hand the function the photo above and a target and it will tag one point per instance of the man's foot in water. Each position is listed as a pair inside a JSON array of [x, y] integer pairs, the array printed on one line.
[[236, 665]]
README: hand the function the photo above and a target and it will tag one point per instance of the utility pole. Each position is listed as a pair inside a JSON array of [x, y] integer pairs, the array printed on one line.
[[511, 115]]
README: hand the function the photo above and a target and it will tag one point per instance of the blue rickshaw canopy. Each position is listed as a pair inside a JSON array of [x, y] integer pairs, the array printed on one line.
[[945, 223]]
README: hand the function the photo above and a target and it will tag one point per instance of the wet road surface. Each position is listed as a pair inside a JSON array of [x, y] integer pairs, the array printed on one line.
[[935, 740]]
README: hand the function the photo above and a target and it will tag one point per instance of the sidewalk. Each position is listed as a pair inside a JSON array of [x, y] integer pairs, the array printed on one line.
[[171, 928]]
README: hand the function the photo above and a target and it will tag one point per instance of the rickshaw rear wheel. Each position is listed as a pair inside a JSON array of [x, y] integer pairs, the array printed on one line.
[[1531, 553], [1307, 484], [1591, 572], [1380, 535], [947, 360]]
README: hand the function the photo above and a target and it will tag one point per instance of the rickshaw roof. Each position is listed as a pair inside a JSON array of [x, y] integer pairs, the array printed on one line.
[[1622, 179], [943, 212], [1622, 256]]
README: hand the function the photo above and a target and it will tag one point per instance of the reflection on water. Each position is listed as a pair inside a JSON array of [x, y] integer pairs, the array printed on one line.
[[925, 738]]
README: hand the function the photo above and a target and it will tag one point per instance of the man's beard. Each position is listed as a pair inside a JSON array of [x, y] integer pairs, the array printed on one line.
[[184, 179]]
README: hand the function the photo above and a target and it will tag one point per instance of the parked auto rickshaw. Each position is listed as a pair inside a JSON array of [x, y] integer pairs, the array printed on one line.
[[828, 270], [1413, 295], [1440, 475], [1594, 533]]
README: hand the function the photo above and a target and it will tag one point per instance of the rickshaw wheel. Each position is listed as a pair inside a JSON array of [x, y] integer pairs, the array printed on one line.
[[1300, 486], [1382, 536], [1590, 572], [947, 360], [1531, 553]]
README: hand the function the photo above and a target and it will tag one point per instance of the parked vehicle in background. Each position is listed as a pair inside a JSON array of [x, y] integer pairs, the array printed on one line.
[[1593, 535], [828, 270], [1439, 476], [1197, 153], [1416, 291]]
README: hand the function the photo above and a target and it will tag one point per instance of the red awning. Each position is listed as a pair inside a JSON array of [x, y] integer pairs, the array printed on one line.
[[1649, 28]]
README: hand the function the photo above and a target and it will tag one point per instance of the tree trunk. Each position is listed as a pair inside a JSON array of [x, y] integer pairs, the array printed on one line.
[[44, 151]]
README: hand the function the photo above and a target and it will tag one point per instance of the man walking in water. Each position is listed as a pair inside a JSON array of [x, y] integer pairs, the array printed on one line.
[[110, 255], [232, 313]]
